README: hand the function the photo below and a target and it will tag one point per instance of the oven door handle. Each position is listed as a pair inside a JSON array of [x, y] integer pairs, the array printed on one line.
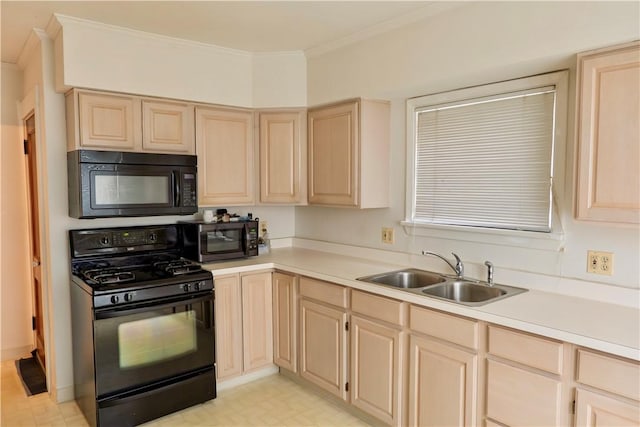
[[111, 313]]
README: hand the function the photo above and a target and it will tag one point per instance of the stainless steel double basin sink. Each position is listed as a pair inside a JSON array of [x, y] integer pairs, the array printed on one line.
[[453, 289]]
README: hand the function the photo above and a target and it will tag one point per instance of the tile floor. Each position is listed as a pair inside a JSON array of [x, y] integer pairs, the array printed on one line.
[[271, 401]]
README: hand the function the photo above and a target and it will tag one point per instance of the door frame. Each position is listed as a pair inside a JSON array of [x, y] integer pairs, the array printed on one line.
[[30, 105]]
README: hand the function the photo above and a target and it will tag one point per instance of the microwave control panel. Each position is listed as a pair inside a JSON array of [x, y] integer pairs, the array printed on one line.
[[189, 190]]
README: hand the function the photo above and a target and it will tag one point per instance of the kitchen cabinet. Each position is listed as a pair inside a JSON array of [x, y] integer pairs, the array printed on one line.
[[525, 377], [348, 146], [243, 312], [608, 133], [103, 121], [168, 127], [285, 314], [377, 369], [323, 335], [443, 369], [224, 144], [608, 390], [282, 153]]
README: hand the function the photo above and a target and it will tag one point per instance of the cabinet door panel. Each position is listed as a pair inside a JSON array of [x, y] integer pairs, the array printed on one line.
[[224, 144], [376, 369], [517, 397], [108, 121], [281, 158], [323, 342], [284, 321], [609, 135], [442, 384], [257, 320], [167, 127], [228, 318], [333, 153], [594, 410]]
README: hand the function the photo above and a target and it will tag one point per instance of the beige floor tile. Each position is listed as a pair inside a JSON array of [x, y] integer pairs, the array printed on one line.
[[271, 401]]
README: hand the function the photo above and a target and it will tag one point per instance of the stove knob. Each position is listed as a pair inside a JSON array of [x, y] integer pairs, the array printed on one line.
[[128, 297], [153, 237], [104, 240], [196, 286], [115, 299], [186, 287]]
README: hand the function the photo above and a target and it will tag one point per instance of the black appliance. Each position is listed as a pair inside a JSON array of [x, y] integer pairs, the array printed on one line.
[[142, 325], [206, 242], [113, 183]]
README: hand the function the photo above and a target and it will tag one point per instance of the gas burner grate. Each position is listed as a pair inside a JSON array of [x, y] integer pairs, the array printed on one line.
[[108, 276], [176, 267]]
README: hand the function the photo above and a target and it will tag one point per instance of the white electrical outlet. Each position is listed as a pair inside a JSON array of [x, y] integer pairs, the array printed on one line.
[[387, 235], [600, 262]]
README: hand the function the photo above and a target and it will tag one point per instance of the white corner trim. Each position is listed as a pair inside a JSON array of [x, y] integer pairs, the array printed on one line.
[[33, 41]]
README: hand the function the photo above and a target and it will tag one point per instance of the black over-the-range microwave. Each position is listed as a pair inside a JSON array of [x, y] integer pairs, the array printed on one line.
[[114, 183]]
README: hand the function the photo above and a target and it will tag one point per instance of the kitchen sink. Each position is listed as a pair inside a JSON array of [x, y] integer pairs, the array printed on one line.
[[407, 279], [457, 290]]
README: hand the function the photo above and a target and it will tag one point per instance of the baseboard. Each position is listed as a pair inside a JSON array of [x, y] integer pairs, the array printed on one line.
[[247, 378], [64, 394]]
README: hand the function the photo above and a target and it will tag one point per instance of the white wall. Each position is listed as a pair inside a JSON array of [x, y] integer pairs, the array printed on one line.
[[473, 44], [15, 279], [279, 80]]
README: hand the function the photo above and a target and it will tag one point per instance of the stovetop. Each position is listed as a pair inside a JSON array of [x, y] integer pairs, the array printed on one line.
[[135, 264]]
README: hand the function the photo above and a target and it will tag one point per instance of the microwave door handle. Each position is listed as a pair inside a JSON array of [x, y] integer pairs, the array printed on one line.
[[176, 188]]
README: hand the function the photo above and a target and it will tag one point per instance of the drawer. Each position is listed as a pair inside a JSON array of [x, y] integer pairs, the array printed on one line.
[[454, 329], [515, 395], [610, 374], [536, 352], [381, 308], [324, 291]]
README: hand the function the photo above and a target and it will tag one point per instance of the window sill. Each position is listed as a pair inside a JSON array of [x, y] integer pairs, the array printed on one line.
[[552, 242]]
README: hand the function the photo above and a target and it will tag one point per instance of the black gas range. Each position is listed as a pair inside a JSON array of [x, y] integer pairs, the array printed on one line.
[[143, 325]]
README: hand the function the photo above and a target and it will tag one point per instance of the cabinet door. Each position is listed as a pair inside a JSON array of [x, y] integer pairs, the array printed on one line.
[[284, 321], [519, 397], [333, 155], [257, 320], [376, 369], [109, 122], [281, 158], [323, 343], [228, 318], [224, 143], [609, 135], [442, 384], [167, 127], [595, 410]]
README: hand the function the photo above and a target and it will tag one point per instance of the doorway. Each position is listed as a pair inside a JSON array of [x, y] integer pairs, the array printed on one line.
[[34, 228]]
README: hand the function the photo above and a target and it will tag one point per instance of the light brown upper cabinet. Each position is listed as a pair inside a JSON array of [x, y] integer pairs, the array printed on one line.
[[224, 143], [283, 157], [102, 121], [167, 127], [349, 154], [608, 131]]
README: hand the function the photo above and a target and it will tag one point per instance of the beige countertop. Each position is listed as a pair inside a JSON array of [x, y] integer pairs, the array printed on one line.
[[602, 326]]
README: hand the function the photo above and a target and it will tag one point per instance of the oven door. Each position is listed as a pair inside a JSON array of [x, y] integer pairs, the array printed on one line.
[[141, 344]]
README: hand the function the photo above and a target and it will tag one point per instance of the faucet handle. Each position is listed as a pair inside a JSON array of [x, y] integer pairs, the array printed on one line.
[[489, 265], [459, 266]]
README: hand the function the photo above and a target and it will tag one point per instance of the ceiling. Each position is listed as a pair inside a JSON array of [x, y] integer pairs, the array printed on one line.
[[254, 26]]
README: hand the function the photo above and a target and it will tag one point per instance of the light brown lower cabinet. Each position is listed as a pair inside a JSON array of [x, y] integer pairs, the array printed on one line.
[[243, 313], [285, 343], [323, 335], [442, 384], [596, 410]]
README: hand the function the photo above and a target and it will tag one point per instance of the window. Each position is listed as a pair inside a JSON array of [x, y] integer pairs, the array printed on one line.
[[484, 156]]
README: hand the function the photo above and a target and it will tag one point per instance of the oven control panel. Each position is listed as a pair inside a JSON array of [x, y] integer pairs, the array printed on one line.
[[122, 240], [133, 296]]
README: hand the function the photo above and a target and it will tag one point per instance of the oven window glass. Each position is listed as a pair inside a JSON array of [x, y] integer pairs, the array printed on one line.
[[224, 240], [147, 341], [131, 189]]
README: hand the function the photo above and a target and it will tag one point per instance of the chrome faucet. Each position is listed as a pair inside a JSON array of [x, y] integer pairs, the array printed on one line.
[[489, 265], [458, 268]]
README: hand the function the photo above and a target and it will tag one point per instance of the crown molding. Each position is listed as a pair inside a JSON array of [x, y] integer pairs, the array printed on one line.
[[53, 26], [430, 10], [35, 38]]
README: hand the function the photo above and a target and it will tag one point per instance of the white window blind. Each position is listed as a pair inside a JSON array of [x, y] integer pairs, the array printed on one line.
[[486, 162]]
